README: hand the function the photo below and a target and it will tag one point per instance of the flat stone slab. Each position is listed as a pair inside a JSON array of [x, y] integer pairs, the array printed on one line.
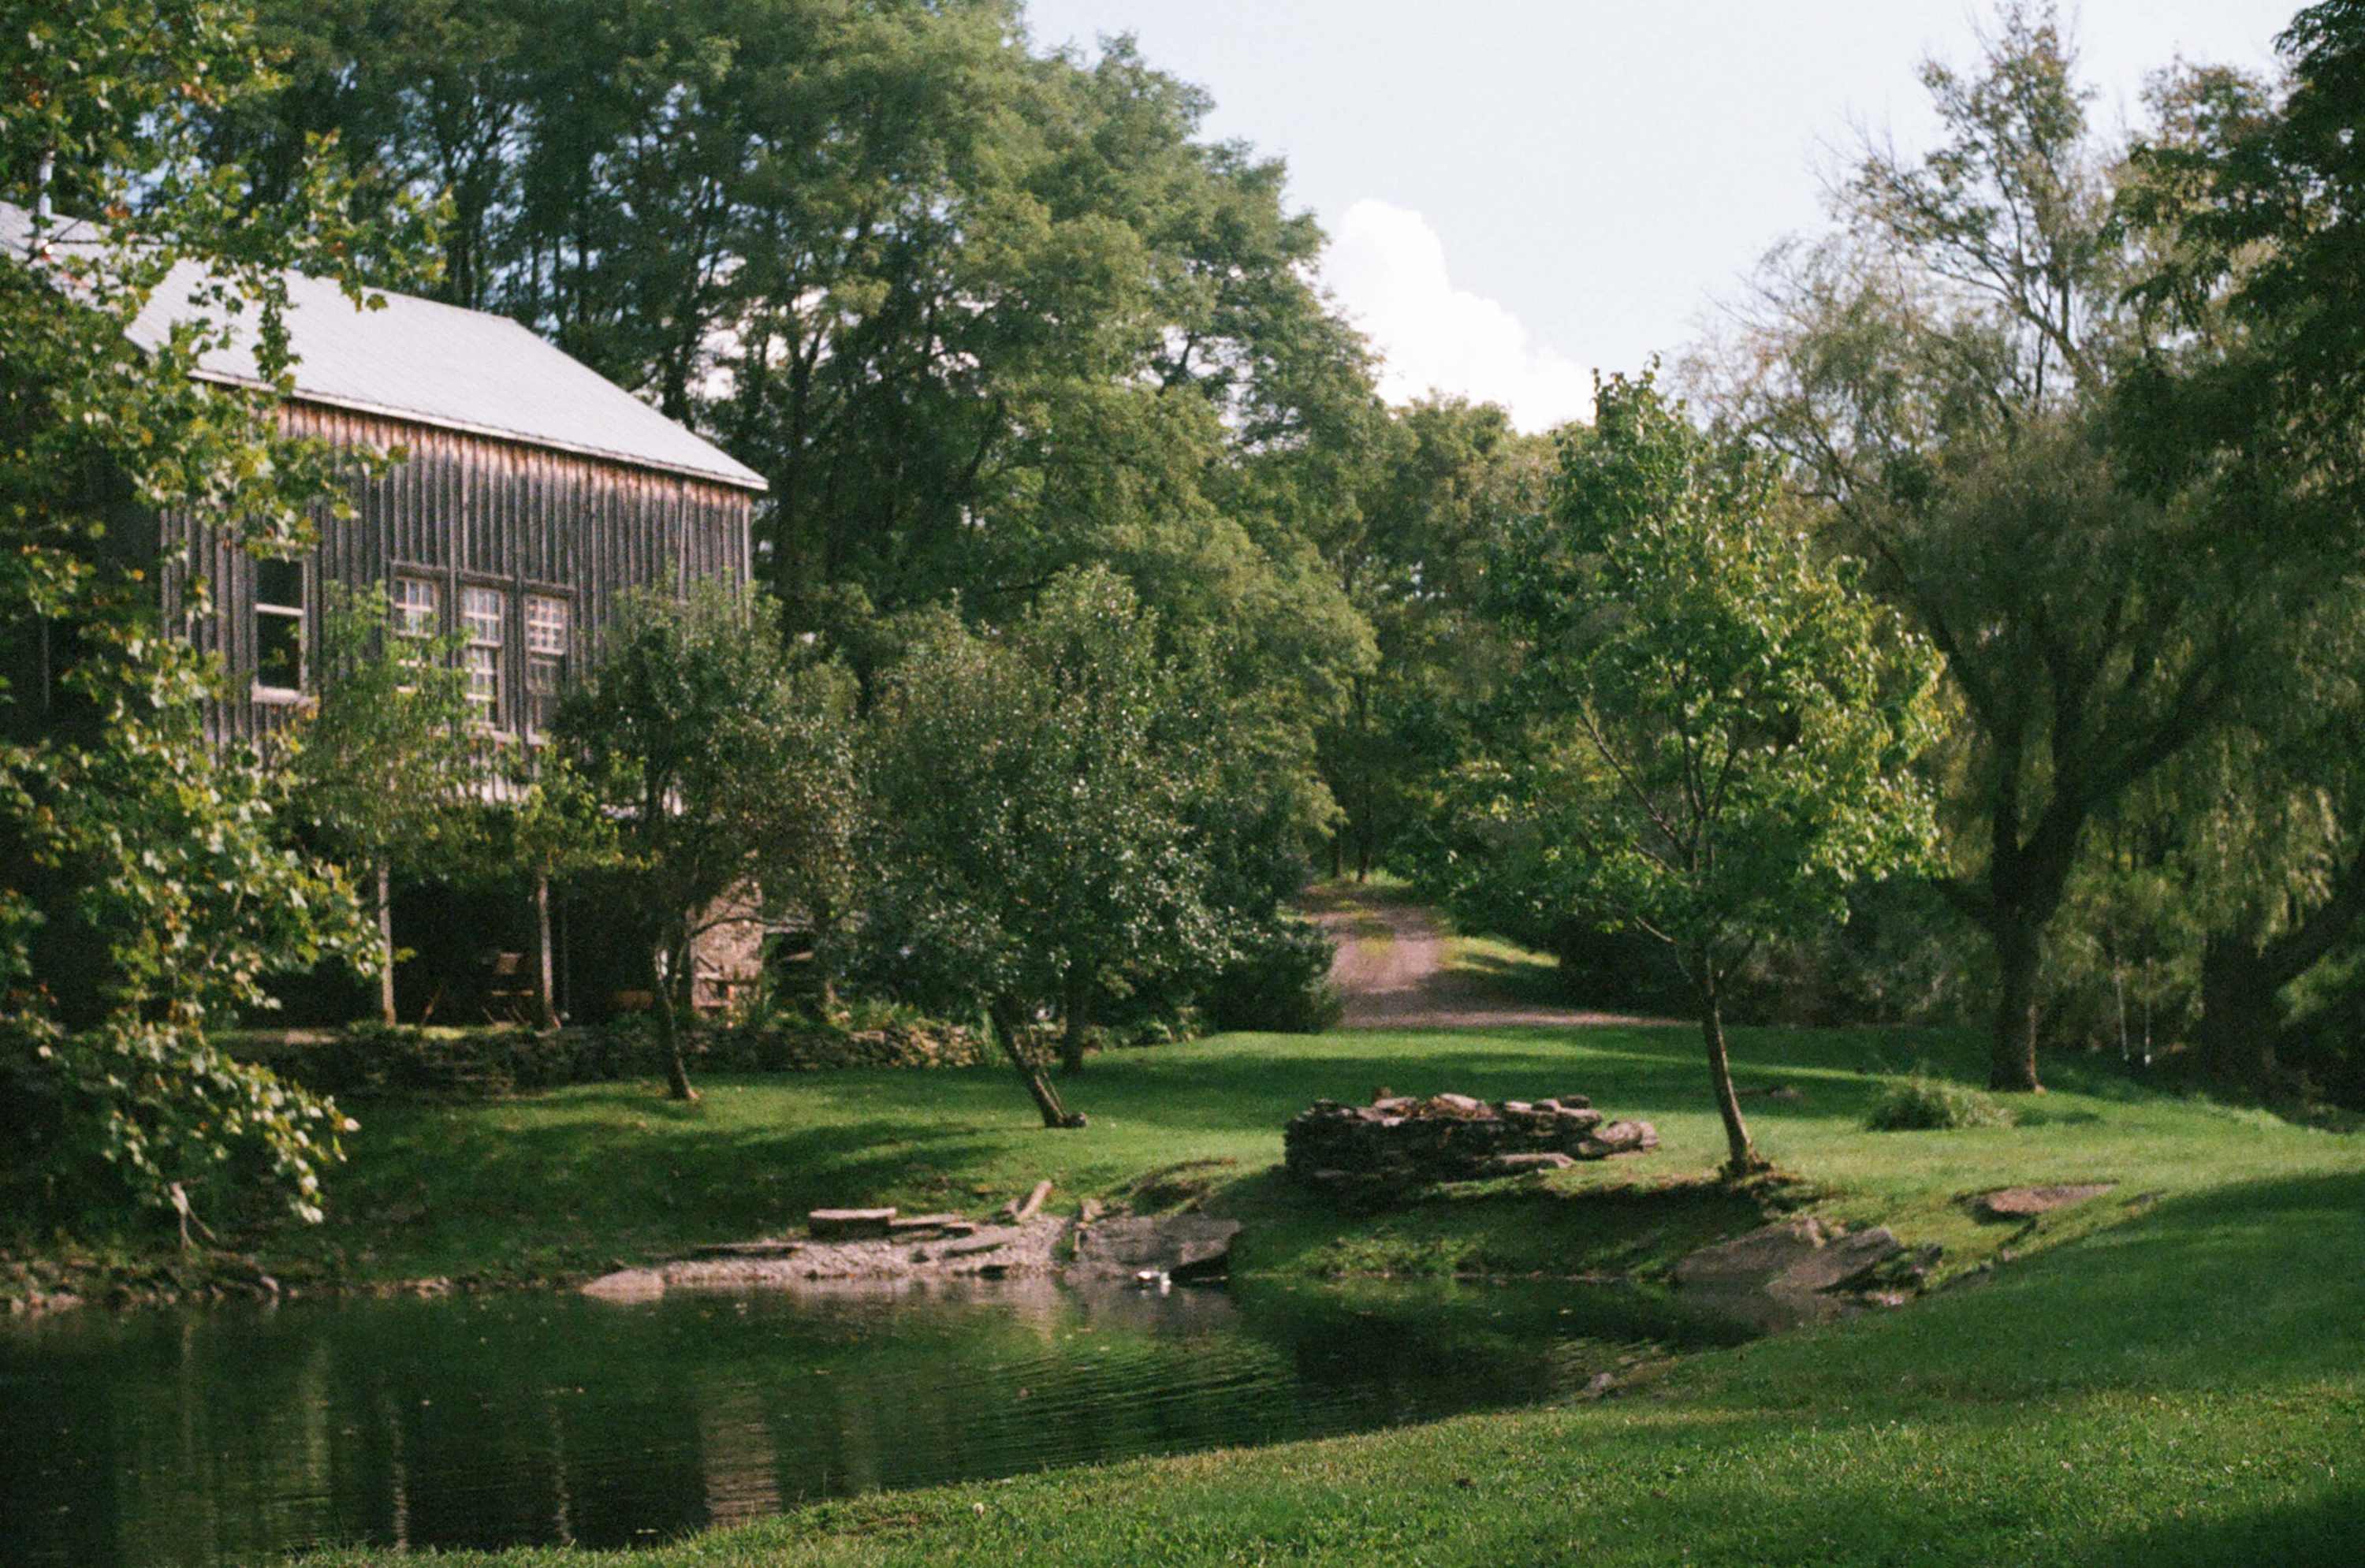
[[2023, 1202], [1178, 1245], [1518, 1164], [1617, 1138], [747, 1249], [1790, 1255], [919, 1225], [993, 1251], [850, 1225]]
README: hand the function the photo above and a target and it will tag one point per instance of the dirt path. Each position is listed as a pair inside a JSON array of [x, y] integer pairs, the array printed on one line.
[[1391, 965]]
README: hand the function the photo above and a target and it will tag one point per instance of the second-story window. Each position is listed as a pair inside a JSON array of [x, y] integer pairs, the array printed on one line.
[[545, 655], [484, 615], [417, 606], [279, 627]]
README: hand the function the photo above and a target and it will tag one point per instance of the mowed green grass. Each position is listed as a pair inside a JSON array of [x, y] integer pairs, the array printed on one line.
[[579, 1179], [2174, 1373]]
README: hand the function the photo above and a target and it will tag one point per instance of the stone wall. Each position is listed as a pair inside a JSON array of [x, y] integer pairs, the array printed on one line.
[[1401, 1142]]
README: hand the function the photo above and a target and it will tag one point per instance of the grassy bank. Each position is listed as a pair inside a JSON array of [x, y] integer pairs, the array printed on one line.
[[2185, 1383], [579, 1179]]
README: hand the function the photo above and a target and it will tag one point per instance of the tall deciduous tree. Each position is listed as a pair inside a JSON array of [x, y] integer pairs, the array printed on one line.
[[1948, 376], [1716, 719]]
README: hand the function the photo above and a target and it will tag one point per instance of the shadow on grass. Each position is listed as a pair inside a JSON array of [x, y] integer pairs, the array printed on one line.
[[2214, 1292], [1501, 1227]]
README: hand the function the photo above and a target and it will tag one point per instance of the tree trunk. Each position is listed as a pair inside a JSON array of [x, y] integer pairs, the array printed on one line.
[[542, 938], [1046, 1100], [1740, 1157], [385, 943], [2239, 1018], [1075, 1019], [664, 974], [2011, 1063]]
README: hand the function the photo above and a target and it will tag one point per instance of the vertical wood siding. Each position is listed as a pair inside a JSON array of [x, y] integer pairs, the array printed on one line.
[[465, 509]]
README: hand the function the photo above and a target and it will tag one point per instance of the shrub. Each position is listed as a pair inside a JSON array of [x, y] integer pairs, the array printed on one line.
[[1280, 983], [1923, 1104]]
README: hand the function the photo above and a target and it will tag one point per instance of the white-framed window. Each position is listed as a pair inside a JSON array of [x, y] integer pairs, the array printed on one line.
[[484, 617], [418, 606], [279, 627], [546, 655]]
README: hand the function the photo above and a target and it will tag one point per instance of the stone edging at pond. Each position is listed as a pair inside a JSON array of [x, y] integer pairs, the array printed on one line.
[[1165, 1249]]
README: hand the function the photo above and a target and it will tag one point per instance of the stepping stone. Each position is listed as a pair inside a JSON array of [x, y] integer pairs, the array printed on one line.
[[1518, 1164], [850, 1225], [2023, 1202], [1790, 1255], [1619, 1137], [910, 1224]]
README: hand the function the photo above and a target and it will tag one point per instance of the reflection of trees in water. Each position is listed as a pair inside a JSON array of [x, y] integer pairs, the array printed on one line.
[[524, 1418]]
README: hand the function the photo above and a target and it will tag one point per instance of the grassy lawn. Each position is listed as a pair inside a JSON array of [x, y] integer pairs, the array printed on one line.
[[579, 1179], [2172, 1373]]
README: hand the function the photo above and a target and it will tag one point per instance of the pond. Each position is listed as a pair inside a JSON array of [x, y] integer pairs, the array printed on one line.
[[238, 1434]]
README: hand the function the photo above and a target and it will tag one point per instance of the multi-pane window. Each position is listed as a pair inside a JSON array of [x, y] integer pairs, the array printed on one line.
[[279, 626], [546, 655], [484, 617], [417, 606]]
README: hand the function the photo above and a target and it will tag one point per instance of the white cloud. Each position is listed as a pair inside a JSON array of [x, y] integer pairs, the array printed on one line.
[[1387, 267]]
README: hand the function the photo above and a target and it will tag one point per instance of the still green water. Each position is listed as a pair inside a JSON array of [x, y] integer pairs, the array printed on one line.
[[238, 1435]]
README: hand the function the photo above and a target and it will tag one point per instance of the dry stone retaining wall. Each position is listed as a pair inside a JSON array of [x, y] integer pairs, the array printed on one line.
[[1400, 1141]]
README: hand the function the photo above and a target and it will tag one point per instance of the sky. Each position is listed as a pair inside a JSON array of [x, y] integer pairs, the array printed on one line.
[[1520, 191]]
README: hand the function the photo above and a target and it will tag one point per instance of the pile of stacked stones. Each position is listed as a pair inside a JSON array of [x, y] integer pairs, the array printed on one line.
[[1397, 1142]]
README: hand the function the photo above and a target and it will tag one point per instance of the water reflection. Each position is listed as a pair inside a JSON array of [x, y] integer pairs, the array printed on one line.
[[240, 1433]]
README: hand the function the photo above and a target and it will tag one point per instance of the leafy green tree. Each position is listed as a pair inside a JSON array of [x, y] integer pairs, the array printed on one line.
[[552, 827], [148, 888], [1717, 722], [979, 313], [2251, 201], [1035, 853], [690, 729], [1447, 479], [1954, 377], [385, 768]]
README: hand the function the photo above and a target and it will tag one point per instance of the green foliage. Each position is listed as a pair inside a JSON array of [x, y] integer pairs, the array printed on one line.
[[1279, 983], [1713, 727], [1716, 725], [148, 891], [385, 766], [1035, 848], [715, 756], [411, 1062], [1923, 1104]]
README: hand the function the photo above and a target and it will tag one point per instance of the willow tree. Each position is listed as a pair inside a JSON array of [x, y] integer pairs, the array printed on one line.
[[1715, 720]]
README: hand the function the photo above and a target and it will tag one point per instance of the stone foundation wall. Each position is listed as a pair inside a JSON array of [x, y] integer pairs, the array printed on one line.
[[1402, 1142]]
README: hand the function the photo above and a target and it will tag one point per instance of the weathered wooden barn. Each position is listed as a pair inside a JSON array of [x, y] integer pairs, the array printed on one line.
[[533, 491]]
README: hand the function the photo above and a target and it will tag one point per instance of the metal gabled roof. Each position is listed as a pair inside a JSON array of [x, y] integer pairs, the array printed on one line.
[[434, 363]]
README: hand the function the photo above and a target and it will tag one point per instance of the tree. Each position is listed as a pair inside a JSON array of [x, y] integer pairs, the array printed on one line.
[[385, 768], [689, 729], [1715, 717], [1447, 477], [149, 891], [1035, 853], [552, 828], [2252, 204], [1950, 376]]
